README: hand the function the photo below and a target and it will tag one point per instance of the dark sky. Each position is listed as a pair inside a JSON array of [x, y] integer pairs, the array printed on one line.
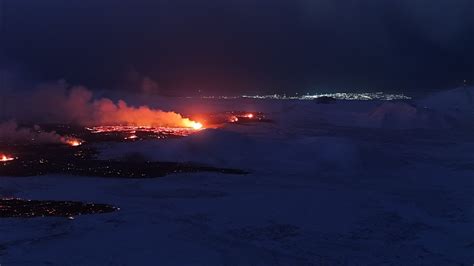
[[231, 46]]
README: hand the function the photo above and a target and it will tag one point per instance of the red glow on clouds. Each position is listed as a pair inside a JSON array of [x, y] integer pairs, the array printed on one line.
[[58, 104]]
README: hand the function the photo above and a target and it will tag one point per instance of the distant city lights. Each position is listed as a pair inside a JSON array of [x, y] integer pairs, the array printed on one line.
[[348, 96]]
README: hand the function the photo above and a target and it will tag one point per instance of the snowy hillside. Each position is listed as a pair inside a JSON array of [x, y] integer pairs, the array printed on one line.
[[348, 183]]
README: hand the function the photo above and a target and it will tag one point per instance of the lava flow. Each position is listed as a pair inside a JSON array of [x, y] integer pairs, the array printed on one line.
[[131, 137], [235, 117], [196, 125], [74, 142], [132, 130], [6, 158]]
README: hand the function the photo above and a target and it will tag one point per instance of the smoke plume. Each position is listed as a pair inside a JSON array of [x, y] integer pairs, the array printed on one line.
[[58, 103], [10, 132]]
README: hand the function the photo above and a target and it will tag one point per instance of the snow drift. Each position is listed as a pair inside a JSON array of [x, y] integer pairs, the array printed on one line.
[[402, 115], [229, 149]]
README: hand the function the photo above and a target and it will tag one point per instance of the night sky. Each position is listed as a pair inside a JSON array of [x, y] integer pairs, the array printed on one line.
[[234, 46]]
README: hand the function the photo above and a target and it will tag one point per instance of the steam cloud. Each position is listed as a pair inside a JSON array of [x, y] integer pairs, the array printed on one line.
[[56, 103], [12, 133]]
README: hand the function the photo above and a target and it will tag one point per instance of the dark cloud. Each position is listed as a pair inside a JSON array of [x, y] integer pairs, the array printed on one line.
[[232, 46], [447, 23]]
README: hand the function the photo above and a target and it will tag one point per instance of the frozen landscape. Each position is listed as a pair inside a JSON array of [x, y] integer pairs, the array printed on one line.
[[237, 132], [338, 183]]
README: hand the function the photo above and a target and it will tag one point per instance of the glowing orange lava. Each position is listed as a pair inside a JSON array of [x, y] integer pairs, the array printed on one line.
[[192, 124], [6, 158], [250, 115], [131, 137], [74, 142], [196, 125], [234, 119], [177, 131]]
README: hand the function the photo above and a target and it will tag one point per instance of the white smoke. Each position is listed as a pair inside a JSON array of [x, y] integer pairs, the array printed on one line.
[[58, 103], [10, 132]]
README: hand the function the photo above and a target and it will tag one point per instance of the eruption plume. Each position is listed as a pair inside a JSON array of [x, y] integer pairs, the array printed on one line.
[[10, 132], [57, 103]]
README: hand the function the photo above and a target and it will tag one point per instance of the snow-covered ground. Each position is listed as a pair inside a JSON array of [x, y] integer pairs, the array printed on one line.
[[350, 183]]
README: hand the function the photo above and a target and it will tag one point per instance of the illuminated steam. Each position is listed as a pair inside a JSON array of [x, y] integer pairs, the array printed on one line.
[[12, 133], [58, 104]]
